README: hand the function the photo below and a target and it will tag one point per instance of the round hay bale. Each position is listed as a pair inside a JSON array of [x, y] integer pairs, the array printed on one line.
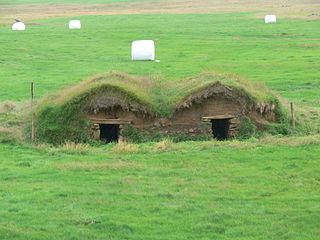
[[18, 26], [74, 24], [143, 50], [270, 19]]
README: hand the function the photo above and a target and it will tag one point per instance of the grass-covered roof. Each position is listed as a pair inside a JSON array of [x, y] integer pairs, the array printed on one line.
[[154, 95], [62, 116]]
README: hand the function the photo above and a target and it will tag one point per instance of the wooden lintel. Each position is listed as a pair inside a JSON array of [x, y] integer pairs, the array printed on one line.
[[109, 121], [226, 116]]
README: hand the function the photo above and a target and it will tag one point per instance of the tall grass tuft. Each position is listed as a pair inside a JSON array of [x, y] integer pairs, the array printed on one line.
[[75, 147], [7, 106], [125, 147], [165, 145]]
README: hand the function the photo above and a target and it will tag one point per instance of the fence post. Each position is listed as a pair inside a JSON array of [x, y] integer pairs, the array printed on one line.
[[293, 124], [32, 112]]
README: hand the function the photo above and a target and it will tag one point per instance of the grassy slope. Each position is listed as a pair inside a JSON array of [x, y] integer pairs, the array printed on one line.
[[201, 191], [284, 55]]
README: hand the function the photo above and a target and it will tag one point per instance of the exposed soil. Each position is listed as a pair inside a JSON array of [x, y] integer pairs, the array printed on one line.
[[309, 9]]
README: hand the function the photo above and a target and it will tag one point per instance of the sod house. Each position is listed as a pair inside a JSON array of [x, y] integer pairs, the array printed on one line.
[[117, 107]]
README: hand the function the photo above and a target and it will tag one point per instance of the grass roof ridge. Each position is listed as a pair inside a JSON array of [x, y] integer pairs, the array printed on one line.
[[140, 90], [100, 83], [256, 90], [205, 85], [105, 79]]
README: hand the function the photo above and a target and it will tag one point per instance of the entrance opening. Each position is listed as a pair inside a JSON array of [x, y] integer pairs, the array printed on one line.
[[109, 132], [220, 129]]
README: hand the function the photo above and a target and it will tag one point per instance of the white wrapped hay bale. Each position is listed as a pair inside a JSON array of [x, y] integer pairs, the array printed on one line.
[[18, 26], [143, 50], [270, 19], [74, 24]]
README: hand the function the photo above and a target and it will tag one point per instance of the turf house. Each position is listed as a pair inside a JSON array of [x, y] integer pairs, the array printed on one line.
[[117, 107]]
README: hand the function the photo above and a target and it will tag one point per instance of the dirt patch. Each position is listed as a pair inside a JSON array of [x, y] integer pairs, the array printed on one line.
[[44, 11], [308, 9]]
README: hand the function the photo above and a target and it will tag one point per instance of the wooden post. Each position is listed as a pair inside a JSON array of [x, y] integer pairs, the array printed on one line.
[[32, 112], [293, 124]]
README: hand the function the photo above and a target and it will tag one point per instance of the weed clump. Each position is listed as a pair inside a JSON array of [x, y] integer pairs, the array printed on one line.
[[280, 129], [246, 128]]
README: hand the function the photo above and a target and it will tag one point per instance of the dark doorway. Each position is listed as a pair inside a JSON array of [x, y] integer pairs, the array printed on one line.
[[220, 129], [109, 132]]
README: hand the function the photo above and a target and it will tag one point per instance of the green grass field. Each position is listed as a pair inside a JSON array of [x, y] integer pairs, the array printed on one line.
[[205, 190], [264, 188], [18, 2], [284, 55]]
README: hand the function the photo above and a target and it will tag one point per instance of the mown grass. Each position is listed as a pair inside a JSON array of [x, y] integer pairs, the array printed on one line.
[[257, 189], [283, 55], [209, 190], [21, 2]]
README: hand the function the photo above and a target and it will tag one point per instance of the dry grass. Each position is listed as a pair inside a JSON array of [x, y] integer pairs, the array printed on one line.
[[78, 147], [239, 144], [12, 119], [7, 106], [11, 133], [42, 146], [20, 109], [232, 143], [165, 145], [290, 141], [124, 147], [98, 166], [68, 147], [290, 8], [4, 130], [207, 145], [267, 140]]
